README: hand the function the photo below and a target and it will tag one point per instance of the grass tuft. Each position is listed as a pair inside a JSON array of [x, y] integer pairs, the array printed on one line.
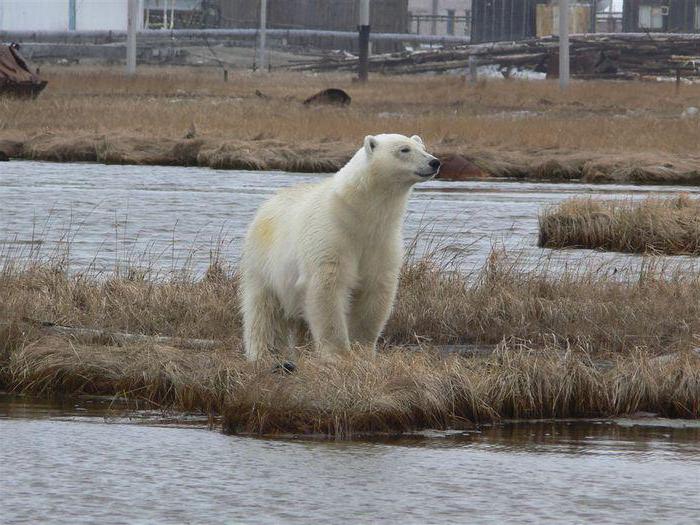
[[664, 226]]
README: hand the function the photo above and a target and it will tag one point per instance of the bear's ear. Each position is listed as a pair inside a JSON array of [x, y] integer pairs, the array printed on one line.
[[370, 144], [417, 139]]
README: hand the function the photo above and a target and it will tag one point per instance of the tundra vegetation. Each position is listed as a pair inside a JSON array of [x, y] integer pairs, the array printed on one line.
[[666, 226], [596, 131], [583, 343]]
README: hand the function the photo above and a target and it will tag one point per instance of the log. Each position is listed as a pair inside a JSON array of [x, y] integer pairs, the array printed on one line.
[[119, 338], [631, 55]]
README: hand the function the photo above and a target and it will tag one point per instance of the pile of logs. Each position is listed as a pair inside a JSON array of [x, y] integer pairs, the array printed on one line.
[[605, 55]]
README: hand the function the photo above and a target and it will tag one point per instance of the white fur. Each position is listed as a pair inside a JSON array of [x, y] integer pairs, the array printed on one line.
[[329, 254]]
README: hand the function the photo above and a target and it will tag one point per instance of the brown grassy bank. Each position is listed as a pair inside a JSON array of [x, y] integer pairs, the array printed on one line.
[[578, 345], [393, 392], [668, 226], [597, 131], [328, 157]]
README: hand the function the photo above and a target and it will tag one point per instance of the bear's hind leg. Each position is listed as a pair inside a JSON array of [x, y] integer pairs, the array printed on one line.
[[264, 326]]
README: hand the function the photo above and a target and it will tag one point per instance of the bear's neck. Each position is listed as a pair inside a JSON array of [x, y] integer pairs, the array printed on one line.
[[370, 199]]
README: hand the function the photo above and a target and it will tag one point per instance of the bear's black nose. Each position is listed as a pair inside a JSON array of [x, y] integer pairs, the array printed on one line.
[[435, 164]]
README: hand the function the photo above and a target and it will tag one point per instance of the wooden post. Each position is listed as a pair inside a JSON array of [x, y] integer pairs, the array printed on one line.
[[473, 70], [364, 30], [262, 42], [132, 22], [563, 44]]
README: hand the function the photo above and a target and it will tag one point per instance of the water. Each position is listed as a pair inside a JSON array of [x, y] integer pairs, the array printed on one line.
[[170, 217], [85, 461], [80, 462]]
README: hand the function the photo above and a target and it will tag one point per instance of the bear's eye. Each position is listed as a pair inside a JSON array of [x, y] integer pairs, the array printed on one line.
[[405, 149]]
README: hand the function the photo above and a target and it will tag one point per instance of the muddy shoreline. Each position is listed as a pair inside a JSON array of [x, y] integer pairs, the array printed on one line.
[[461, 162]]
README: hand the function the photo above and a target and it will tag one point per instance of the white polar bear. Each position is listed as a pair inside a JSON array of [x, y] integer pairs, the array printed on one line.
[[330, 253]]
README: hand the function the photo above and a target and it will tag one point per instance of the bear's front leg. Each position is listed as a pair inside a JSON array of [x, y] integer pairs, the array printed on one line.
[[370, 310], [326, 309]]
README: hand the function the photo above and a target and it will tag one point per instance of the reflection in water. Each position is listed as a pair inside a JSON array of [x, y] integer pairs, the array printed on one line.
[[64, 464], [168, 217]]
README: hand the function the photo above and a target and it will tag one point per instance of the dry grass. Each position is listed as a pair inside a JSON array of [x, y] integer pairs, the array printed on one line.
[[668, 226], [509, 128], [656, 310], [392, 392], [395, 391], [581, 344]]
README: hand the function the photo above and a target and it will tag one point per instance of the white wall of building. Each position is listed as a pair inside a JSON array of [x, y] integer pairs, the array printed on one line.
[[33, 15], [54, 15], [94, 15]]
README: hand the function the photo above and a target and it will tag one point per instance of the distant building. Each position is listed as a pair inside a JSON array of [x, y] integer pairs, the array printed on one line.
[[439, 17], [674, 16], [93, 15], [503, 20], [582, 17], [512, 20], [390, 16], [609, 16], [342, 15], [63, 15], [174, 14]]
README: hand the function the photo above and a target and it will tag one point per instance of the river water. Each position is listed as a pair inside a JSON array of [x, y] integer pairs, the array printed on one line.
[[84, 462], [167, 218]]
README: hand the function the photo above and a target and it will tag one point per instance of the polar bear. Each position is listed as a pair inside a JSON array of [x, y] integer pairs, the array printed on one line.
[[327, 256]]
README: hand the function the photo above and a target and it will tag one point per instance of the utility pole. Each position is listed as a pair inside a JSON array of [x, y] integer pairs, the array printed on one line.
[[433, 22], [131, 27], [71, 15], [563, 44], [262, 42], [364, 28]]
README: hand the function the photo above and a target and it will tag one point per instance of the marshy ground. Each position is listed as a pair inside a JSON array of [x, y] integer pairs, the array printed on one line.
[[578, 345], [597, 131]]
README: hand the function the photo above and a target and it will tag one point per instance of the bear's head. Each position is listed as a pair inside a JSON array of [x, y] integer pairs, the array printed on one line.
[[399, 158]]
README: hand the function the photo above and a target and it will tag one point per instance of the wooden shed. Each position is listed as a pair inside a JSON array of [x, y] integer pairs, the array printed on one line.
[[673, 16]]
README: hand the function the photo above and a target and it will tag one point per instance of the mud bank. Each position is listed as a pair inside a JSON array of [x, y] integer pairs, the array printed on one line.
[[461, 162]]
